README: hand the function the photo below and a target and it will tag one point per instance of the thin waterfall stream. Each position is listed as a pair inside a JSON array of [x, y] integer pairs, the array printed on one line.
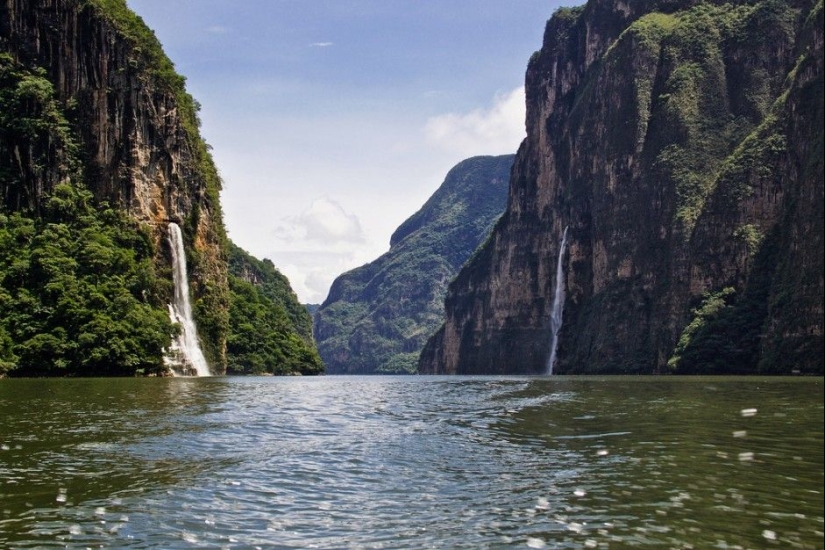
[[186, 348], [558, 304]]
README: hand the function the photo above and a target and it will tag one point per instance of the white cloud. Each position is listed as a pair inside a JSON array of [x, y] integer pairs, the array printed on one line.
[[310, 283], [217, 29], [321, 44], [311, 273], [277, 187], [326, 221], [493, 131], [324, 226]]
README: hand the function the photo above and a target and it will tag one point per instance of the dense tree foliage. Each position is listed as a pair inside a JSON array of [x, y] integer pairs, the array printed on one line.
[[37, 150], [78, 292], [270, 332]]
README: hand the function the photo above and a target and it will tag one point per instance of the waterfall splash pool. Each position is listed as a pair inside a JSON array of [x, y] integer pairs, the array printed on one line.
[[411, 462]]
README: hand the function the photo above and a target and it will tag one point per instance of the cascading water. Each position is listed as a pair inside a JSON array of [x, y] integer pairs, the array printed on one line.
[[186, 348], [558, 304]]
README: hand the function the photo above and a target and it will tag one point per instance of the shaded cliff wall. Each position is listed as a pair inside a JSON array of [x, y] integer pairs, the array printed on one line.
[[673, 139], [760, 237], [138, 134]]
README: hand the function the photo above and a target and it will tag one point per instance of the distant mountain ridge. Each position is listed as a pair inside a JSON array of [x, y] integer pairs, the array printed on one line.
[[377, 317]]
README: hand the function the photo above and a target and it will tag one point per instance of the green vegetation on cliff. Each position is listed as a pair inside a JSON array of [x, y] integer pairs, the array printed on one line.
[[270, 331], [78, 291], [211, 293], [681, 143], [37, 147], [773, 325], [378, 317], [84, 284], [717, 92], [708, 105]]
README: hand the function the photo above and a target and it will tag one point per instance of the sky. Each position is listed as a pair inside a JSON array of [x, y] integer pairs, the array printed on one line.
[[333, 121]]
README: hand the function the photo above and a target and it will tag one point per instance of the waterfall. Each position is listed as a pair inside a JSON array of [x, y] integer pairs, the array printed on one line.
[[186, 348], [558, 304]]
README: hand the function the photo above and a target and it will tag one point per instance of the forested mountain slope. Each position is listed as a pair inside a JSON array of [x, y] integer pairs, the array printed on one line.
[[377, 317], [269, 330], [100, 151]]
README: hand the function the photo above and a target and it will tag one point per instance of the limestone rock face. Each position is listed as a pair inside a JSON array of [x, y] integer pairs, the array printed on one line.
[[131, 130], [681, 142], [138, 131], [377, 317]]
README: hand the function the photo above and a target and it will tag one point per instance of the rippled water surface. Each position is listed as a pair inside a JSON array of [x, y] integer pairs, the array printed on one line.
[[412, 462]]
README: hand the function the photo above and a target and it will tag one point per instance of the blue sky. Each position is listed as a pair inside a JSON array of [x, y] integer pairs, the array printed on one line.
[[331, 122]]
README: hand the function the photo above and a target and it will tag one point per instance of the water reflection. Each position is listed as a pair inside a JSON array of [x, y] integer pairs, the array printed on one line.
[[399, 462]]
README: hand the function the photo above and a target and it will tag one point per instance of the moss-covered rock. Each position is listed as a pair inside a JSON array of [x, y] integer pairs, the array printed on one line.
[[681, 143], [134, 130]]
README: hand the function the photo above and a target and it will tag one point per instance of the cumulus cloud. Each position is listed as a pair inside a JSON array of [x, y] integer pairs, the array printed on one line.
[[317, 245], [325, 225], [327, 221], [311, 273], [310, 283], [498, 129]]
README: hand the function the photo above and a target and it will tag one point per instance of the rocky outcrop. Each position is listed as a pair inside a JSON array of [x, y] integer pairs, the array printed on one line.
[[137, 133], [378, 317], [681, 143]]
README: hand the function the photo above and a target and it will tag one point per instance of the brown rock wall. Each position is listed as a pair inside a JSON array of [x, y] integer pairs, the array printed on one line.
[[663, 134]]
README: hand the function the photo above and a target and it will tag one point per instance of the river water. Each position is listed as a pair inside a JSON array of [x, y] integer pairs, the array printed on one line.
[[412, 462]]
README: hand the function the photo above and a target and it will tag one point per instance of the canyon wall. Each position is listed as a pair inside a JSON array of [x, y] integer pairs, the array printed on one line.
[[135, 129], [681, 142]]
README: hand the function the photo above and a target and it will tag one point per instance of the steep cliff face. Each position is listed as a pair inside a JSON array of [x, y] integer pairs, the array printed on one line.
[[677, 141], [136, 133], [378, 317]]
